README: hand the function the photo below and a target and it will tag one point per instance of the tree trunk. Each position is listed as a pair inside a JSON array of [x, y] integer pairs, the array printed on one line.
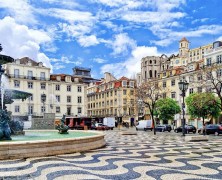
[[153, 122]]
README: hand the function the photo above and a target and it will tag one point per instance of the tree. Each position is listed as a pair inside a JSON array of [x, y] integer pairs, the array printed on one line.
[[202, 105], [1, 47], [211, 80], [167, 108], [148, 93]]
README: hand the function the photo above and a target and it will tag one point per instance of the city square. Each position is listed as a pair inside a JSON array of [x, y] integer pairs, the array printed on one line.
[[110, 89], [141, 156]]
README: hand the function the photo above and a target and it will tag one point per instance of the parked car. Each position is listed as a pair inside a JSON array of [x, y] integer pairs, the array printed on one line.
[[99, 126], [160, 128], [102, 127], [215, 129], [168, 127], [188, 129], [164, 127]]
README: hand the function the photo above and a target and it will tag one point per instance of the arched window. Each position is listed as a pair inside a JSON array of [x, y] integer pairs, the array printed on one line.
[[181, 45], [167, 66], [145, 74], [151, 74], [155, 73], [154, 61], [163, 67], [150, 61]]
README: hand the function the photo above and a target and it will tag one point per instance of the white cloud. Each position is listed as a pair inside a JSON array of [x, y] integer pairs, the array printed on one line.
[[122, 43], [66, 3], [219, 38], [99, 60], [132, 65], [20, 41], [151, 17], [72, 16], [87, 41], [118, 3], [169, 36], [20, 10]]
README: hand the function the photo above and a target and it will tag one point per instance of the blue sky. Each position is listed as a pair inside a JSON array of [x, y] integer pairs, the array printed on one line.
[[105, 35]]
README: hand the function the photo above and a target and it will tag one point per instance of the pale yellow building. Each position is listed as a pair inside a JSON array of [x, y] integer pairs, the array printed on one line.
[[112, 97]]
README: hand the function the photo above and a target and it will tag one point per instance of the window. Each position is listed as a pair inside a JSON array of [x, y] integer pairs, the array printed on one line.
[[79, 100], [115, 92], [208, 61], [30, 109], [43, 85], [209, 75], [173, 82], [58, 98], [164, 95], [68, 99], [151, 73], [16, 83], [42, 76], [57, 109], [79, 89], [219, 72], [42, 109], [57, 88], [164, 84], [124, 83], [219, 59], [173, 95], [68, 88], [30, 98], [191, 90], [191, 78], [199, 89], [124, 92], [131, 93], [107, 94], [199, 77], [30, 75], [30, 85], [79, 110], [131, 83], [17, 109], [16, 72]]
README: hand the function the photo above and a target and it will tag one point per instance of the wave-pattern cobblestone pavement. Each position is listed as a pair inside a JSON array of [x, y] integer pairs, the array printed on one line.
[[141, 156]]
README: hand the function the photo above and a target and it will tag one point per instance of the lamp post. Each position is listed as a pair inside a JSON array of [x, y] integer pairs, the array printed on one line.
[[43, 98], [183, 86]]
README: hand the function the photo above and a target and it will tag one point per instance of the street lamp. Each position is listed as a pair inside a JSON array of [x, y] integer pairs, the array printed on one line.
[[183, 86]]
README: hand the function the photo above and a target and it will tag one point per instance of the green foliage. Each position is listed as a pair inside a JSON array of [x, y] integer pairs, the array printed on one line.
[[1, 48], [203, 105], [167, 108]]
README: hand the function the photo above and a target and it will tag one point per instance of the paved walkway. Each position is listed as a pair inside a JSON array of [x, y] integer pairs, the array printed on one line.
[[141, 156]]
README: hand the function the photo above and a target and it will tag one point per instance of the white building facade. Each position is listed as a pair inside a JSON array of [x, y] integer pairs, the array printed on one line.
[[64, 93]]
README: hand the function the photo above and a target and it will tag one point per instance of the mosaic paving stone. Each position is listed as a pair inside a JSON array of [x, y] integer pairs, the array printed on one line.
[[139, 156]]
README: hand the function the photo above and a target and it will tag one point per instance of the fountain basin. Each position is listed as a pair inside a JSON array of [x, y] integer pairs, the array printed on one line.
[[63, 144]]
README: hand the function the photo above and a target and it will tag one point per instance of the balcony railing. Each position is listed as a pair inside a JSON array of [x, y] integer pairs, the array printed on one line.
[[27, 77]]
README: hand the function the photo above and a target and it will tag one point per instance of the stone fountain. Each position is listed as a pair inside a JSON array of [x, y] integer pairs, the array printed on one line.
[[8, 127]]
